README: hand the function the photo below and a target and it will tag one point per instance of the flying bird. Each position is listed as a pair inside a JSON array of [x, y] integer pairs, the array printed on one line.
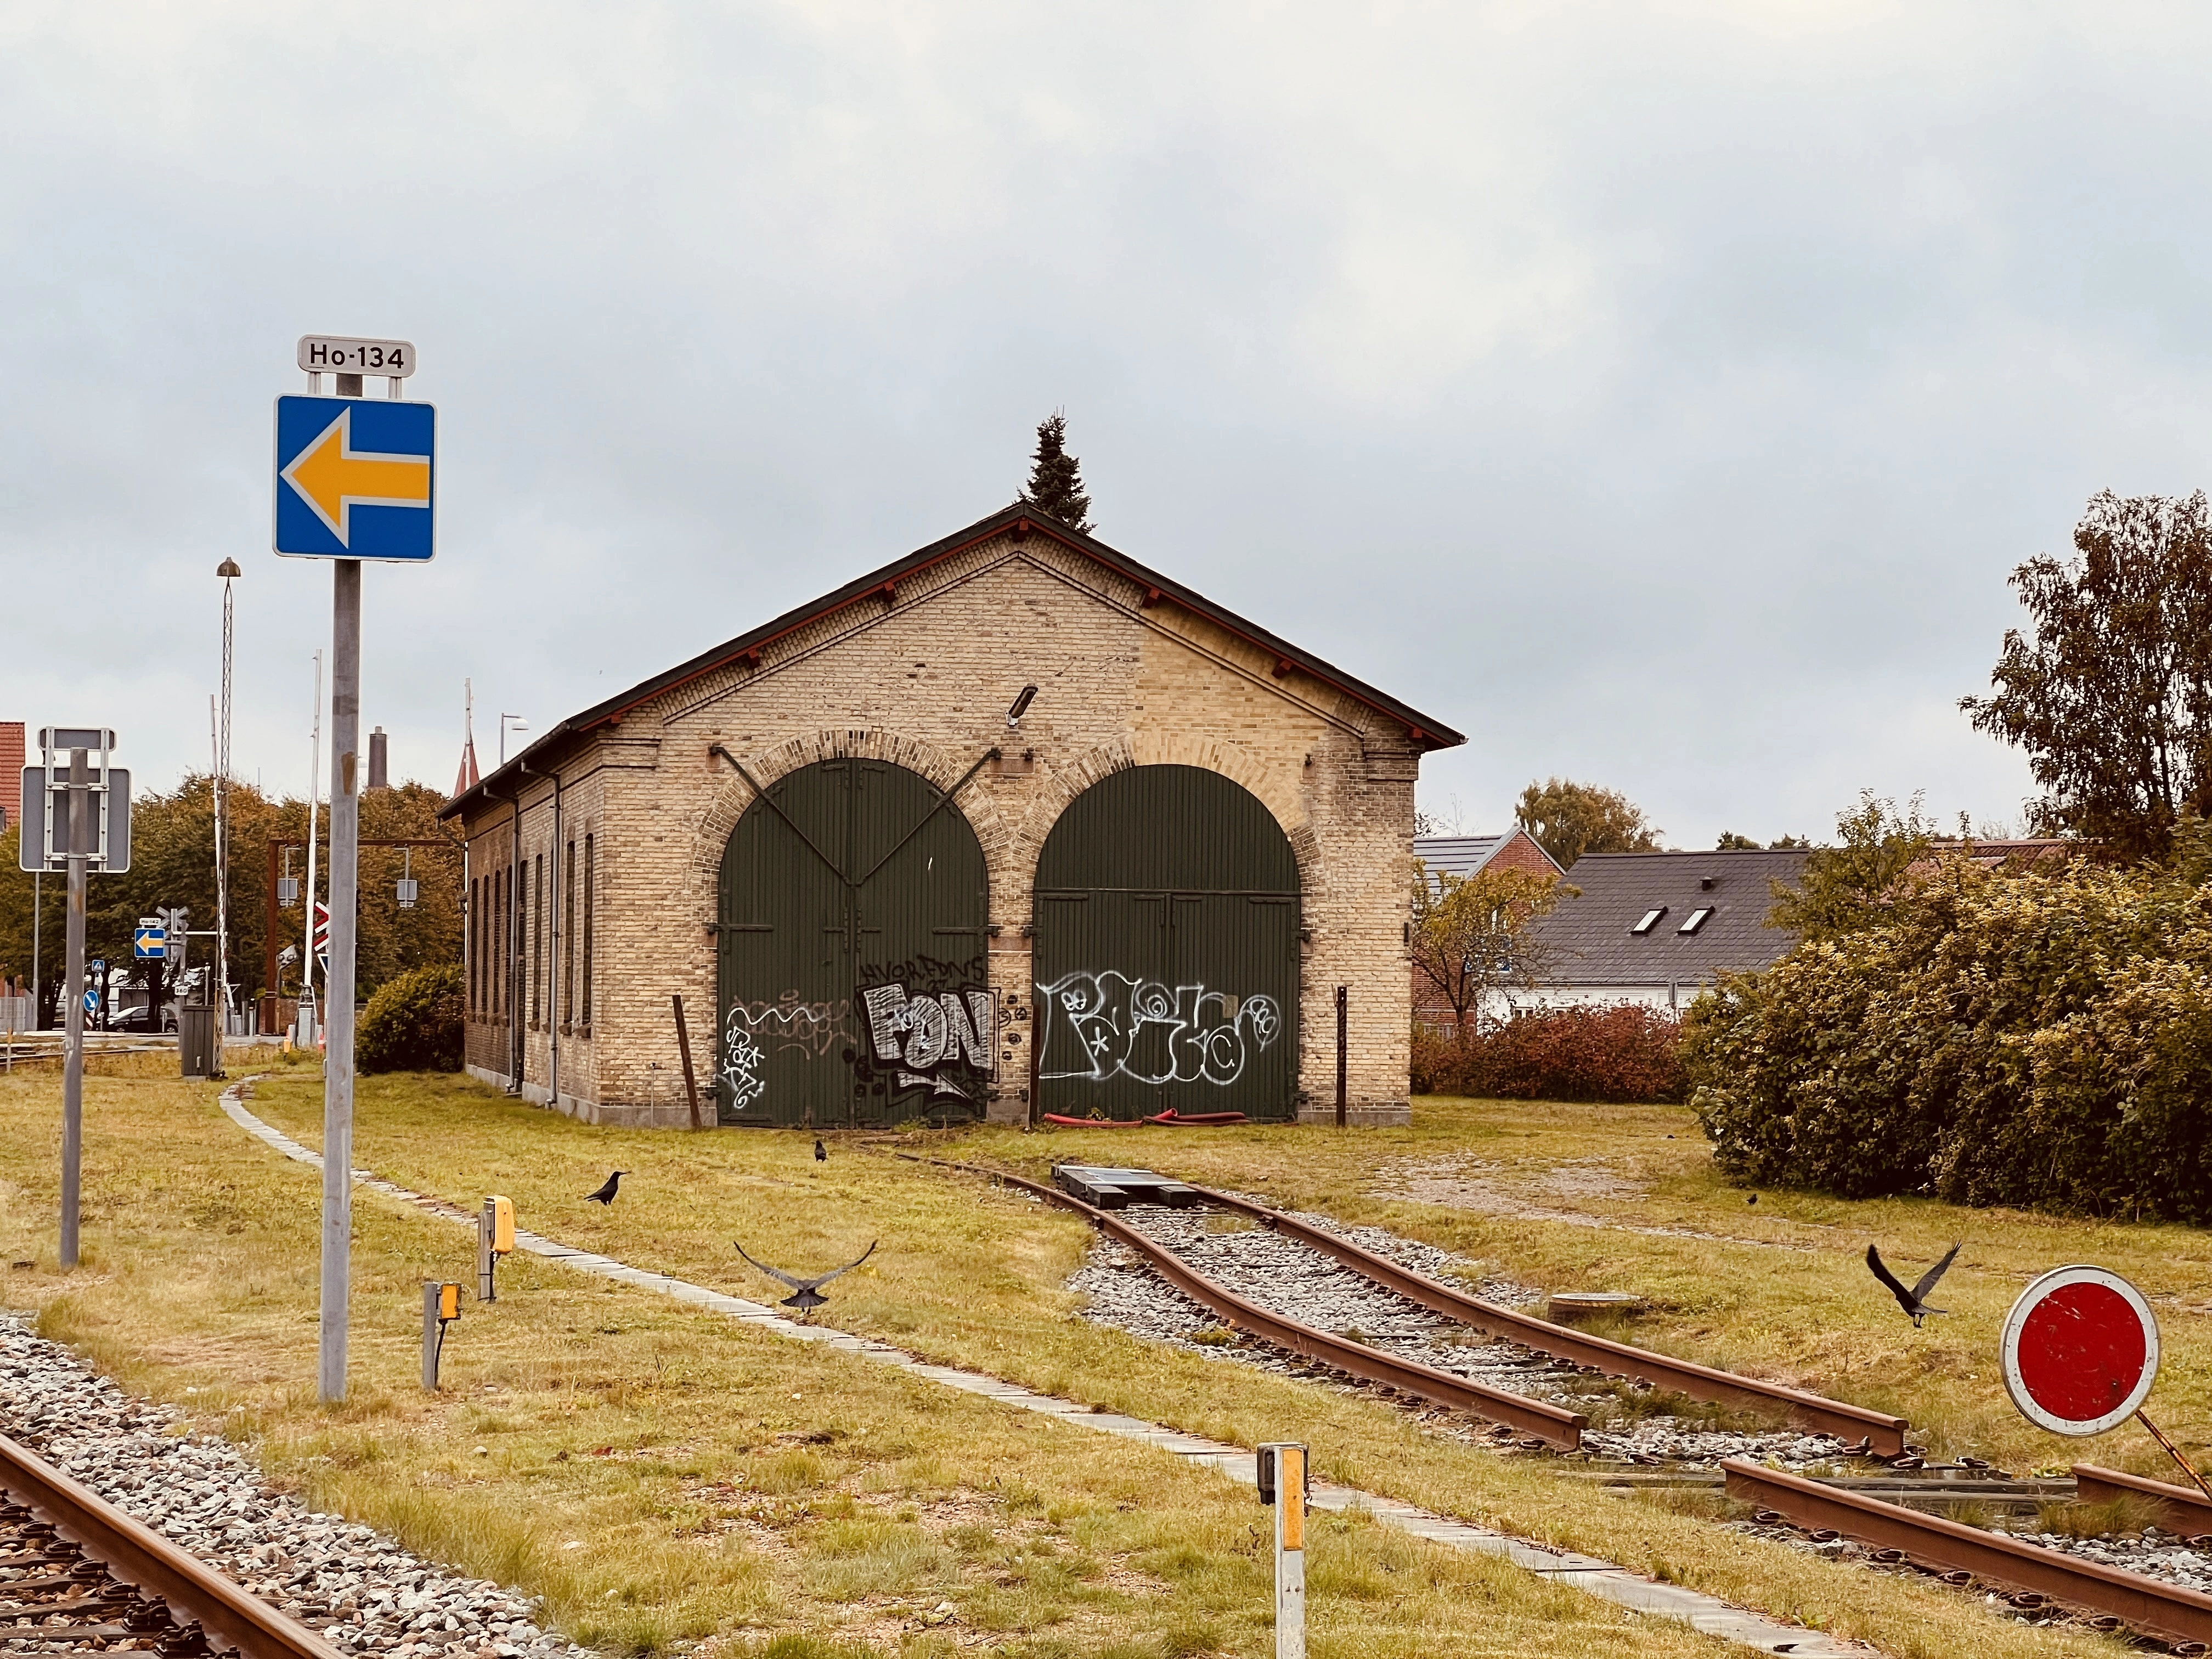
[[820, 1155], [1914, 1300], [806, 1288], [606, 1193]]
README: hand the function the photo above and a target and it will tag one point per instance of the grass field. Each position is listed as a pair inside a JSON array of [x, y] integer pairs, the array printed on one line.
[[648, 1469]]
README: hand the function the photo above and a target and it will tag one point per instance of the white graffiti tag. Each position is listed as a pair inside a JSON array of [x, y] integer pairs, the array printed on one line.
[[741, 1058], [1103, 1024], [923, 1038], [751, 1031]]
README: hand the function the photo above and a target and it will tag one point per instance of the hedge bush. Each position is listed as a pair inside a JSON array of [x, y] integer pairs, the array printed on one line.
[[413, 1023], [1617, 1053], [2039, 1040]]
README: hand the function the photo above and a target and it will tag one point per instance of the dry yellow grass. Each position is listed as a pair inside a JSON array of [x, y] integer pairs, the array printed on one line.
[[699, 1519]]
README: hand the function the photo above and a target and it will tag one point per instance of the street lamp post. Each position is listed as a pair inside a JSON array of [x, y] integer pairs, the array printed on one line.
[[508, 722]]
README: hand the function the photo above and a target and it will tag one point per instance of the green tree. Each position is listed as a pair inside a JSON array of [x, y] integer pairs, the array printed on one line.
[[1732, 843], [172, 864], [1056, 485], [1858, 882], [2111, 699], [1474, 936], [1570, 819]]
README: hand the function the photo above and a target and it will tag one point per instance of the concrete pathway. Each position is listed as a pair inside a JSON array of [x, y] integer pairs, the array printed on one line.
[[1704, 1613]]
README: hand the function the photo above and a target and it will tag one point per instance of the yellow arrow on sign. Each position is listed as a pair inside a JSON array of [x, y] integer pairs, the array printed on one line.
[[331, 476]]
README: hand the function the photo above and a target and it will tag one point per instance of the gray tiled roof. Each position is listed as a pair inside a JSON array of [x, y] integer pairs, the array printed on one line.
[[1587, 937], [1457, 855]]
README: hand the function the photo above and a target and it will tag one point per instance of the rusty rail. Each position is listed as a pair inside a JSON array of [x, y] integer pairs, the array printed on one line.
[[136, 1554], [1557, 1426], [1884, 1434], [2146, 1604], [2186, 1511]]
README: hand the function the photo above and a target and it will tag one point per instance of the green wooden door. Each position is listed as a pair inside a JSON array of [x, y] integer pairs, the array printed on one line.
[[853, 986], [1167, 950]]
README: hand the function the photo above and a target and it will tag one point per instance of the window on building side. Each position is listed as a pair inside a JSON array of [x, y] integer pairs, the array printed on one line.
[[475, 955], [1650, 920], [1697, 919], [589, 921], [538, 940], [568, 942]]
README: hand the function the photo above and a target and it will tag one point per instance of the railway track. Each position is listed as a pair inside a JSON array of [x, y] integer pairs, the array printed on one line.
[[1875, 1432], [1882, 1435], [78, 1575], [1552, 1426], [1896, 1535], [1961, 1553]]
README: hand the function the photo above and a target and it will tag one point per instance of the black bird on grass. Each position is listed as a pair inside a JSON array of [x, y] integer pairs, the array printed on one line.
[[1914, 1300], [606, 1193], [820, 1155], [806, 1288]]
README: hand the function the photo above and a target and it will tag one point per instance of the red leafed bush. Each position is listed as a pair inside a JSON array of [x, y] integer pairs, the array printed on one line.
[[1618, 1054]]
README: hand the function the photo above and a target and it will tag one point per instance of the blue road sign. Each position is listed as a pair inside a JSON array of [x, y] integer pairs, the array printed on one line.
[[92, 1005], [97, 966], [150, 942], [355, 478]]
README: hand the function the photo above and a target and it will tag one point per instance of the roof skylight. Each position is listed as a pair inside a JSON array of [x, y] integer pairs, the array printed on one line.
[[1650, 920], [1697, 919]]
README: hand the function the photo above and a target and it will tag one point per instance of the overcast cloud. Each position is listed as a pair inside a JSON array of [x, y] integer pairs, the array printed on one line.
[[1660, 395]]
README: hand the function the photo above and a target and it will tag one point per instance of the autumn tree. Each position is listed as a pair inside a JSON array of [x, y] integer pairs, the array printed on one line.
[[2109, 694], [1474, 937], [1056, 485], [1570, 819], [1856, 883]]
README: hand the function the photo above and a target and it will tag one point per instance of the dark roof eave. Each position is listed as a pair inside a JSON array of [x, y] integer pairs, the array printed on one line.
[[1428, 734]]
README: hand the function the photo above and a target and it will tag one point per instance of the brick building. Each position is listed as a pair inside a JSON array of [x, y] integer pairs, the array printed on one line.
[[1011, 826], [12, 761]]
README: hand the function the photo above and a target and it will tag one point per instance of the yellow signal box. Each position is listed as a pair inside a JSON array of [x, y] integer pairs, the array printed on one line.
[[501, 1211]]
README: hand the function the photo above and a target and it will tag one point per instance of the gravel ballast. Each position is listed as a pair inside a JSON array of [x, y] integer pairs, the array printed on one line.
[[360, 1591]]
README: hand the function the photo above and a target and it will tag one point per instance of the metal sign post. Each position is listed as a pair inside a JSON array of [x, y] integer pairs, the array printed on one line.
[[88, 826], [354, 481], [80, 838]]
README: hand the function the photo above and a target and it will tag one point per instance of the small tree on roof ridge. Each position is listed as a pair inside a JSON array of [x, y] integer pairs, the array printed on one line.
[[1056, 485]]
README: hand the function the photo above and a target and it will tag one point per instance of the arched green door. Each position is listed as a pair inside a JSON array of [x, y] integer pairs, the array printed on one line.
[[852, 977], [1167, 950]]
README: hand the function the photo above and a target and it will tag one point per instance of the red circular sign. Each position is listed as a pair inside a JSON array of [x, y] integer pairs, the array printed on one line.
[[2079, 1350]]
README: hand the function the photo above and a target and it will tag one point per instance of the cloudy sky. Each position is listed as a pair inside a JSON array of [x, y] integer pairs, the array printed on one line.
[[1659, 394]]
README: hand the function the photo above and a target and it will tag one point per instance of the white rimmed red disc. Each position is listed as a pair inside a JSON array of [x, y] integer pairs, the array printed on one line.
[[2079, 1350]]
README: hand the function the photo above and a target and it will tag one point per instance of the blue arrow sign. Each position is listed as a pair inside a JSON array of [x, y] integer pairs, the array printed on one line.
[[150, 942], [92, 1004], [355, 478]]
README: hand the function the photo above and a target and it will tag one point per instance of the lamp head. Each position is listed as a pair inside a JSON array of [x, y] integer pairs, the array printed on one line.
[[229, 568]]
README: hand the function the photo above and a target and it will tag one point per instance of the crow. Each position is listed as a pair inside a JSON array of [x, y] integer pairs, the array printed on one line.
[[1912, 1300], [805, 1287], [820, 1155], [606, 1193]]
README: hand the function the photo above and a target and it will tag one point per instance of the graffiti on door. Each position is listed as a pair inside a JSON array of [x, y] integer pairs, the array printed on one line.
[[1103, 1024], [928, 1030], [751, 1031]]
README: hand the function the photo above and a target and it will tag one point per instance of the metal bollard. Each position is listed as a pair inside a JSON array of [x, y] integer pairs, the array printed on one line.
[[1285, 1481], [441, 1305], [494, 1239]]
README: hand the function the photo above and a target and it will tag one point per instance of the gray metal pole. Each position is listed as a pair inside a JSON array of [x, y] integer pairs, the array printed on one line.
[[338, 982], [432, 1291], [80, 841]]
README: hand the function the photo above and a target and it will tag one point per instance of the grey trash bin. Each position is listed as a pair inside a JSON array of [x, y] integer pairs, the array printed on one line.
[[198, 1049]]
